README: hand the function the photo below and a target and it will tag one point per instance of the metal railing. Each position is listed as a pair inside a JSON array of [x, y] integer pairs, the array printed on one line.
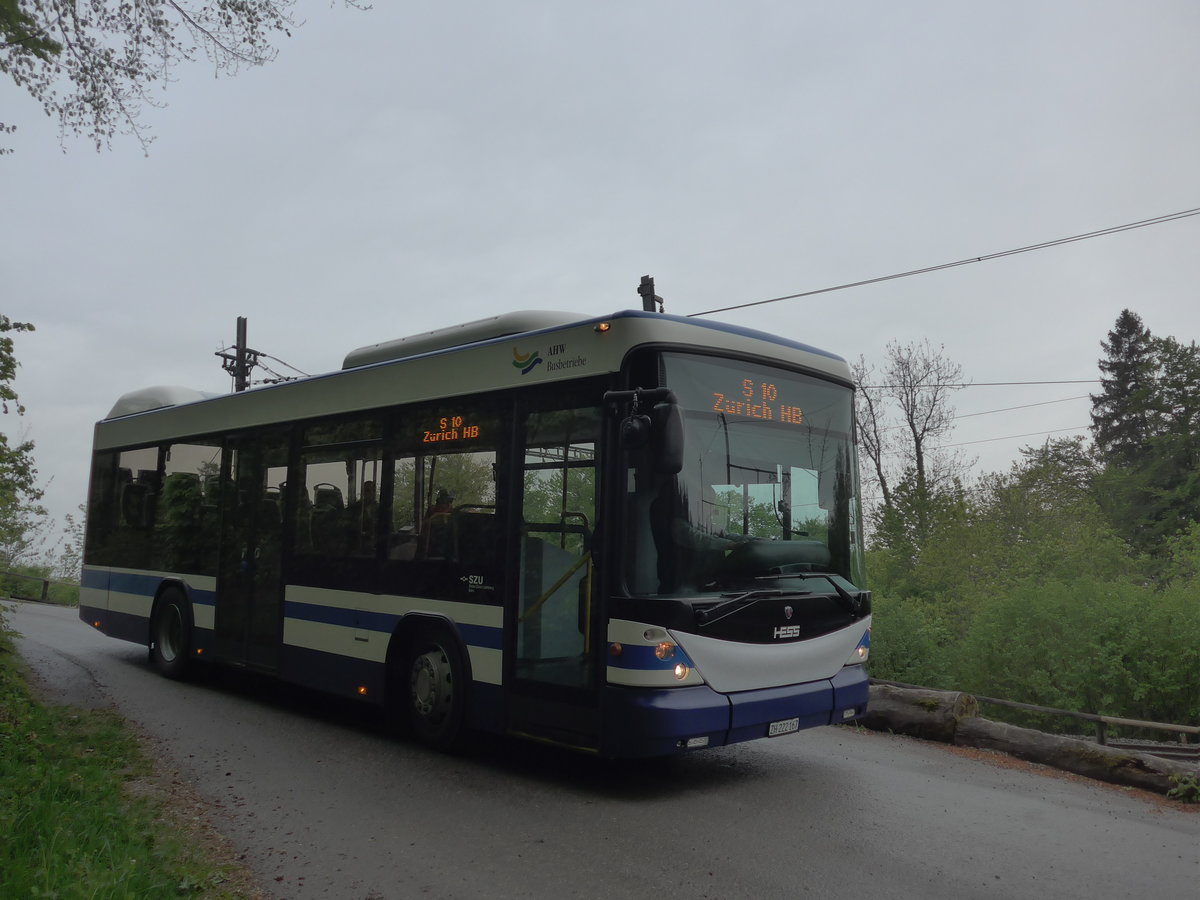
[[1102, 723], [43, 592]]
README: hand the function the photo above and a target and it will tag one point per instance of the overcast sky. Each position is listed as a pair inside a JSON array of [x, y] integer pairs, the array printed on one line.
[[423, 164]]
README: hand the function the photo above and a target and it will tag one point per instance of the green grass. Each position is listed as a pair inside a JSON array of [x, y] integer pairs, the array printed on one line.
[[72, 827]]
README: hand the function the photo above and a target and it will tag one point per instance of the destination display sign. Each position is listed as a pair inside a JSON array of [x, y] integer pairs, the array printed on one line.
[[451, 428], [757, 400], [744, 391]]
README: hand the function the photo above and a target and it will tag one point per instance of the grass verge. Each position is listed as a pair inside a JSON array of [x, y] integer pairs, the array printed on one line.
[[74, 823]]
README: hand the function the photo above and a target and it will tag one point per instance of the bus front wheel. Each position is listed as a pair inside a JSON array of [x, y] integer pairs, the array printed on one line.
[[171, 634], [436, 691]]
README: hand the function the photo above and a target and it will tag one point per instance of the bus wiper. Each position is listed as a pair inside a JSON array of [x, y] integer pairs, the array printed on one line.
[[852, 603], [732, 602]]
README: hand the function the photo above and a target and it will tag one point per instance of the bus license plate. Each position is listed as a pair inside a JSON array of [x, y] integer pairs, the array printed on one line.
[[784, 726]]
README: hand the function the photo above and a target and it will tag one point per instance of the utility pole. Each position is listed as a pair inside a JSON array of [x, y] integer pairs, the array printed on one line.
[[241, 361]]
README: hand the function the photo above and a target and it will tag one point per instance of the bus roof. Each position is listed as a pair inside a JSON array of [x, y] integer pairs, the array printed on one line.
[[487, 329], [462, 360]]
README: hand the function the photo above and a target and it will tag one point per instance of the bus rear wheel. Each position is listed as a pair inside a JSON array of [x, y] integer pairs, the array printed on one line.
[[171, 634], [436, 691]]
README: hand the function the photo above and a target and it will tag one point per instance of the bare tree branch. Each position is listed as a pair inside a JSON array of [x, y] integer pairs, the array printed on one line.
[[92, 63]]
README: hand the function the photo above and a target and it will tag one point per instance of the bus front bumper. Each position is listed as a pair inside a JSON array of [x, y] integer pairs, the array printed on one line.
[[648, 722]]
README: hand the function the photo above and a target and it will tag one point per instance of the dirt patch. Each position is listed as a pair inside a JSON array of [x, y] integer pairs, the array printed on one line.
[[192, 817], [1004, 761]]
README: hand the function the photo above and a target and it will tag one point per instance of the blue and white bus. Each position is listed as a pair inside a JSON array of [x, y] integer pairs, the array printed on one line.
[[632, 535]]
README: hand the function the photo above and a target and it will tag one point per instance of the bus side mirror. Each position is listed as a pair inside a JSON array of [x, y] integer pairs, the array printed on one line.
[[668, 438], [635, 432], [661, 432]]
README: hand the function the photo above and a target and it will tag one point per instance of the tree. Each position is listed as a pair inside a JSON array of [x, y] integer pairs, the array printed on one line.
[[8, 361], [902, 414], [110, 55], [20, 514], [1121, 417], [1146, 423]]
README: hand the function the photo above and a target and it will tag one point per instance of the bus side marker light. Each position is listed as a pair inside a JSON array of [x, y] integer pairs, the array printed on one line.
[[615, 649], [362, 690], [96, 624], [602, 327]]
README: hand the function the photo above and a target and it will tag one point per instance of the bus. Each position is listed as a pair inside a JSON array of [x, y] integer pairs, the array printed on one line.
[[631, 535]]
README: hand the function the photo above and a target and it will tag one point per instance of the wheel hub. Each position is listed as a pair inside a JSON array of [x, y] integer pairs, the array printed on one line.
[[431, 683]]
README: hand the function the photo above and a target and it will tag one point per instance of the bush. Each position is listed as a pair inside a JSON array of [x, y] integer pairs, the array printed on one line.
[[1113, 648]]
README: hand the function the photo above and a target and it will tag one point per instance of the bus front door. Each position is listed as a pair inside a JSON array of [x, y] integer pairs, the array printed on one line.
[[249, 620], [553, 690]]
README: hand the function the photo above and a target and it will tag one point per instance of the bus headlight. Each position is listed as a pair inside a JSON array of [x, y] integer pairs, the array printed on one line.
[[682, 671], [862, 652]]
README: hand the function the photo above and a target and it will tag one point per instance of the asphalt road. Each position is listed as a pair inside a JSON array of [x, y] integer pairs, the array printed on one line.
[[326, 805]]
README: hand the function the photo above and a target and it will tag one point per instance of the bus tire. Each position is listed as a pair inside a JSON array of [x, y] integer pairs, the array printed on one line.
[[171, 634], [435, 689]]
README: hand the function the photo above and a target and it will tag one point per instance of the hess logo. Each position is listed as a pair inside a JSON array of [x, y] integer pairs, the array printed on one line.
[[787, 631]]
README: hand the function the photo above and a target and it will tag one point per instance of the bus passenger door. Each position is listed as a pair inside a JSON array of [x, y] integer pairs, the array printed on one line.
[[249, 620], [553, 650]]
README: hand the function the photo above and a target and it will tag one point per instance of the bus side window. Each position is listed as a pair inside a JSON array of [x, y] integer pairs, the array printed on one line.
[[187, 519], [443, 507], [403, 532], [339, 505], [136, 495]]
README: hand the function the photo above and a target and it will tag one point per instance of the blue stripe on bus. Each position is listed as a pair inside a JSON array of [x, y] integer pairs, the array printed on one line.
[[94, 578], [141, 585], [484, 636], [128, 583], [643, 659]]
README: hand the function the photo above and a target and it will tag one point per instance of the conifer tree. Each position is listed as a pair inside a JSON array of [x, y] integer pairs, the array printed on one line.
[[1146, 424], [1121, 412]]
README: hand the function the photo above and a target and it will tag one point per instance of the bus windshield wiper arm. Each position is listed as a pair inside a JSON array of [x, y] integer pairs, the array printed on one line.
[[848, 601], [731, 603]]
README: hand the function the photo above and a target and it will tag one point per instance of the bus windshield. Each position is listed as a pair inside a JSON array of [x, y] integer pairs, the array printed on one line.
[[767, 488]]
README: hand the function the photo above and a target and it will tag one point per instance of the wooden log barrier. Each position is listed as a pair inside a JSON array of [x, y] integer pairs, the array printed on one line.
[[932, 715], [1125, 767]]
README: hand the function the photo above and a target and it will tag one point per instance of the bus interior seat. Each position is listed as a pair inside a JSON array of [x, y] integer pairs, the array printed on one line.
[[476, 535]]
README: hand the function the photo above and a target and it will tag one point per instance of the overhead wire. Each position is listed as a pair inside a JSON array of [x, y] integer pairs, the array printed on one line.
[[1011, 437], [282, 363], [988, 412], [1042, 245], [969, 384]]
